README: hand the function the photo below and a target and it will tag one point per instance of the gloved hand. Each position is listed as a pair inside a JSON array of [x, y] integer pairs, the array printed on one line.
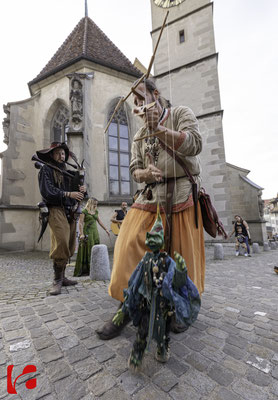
[[180, 263], [118, 318]]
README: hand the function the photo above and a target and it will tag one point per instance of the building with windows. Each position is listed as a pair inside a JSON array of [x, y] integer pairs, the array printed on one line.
[[73, 98], [271, 217]]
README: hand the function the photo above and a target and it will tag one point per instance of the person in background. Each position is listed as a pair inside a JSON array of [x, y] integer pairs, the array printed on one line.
[[242, 235], [88, 237], [119, 215], [55, 187]]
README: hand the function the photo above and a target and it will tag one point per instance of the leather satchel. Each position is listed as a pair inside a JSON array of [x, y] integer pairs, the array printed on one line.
[[212, 225], [211, 221]]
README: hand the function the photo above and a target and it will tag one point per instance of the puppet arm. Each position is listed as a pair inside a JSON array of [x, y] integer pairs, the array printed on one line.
[[180, 274]]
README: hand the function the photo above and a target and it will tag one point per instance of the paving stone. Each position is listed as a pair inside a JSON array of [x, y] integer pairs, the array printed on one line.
[[57, 370], [217, 333], [193, 344], [274, 388], [220, 375], [199, 381], [213, 341], [33, 323], [182, 392], [244, 326], [44, 310], [42, 389], [116, 366], [77, 353], [266, 333], [249, 391], [49, 317], [84, 332], [70, 388], [247, 320], [165, 380], [234, 352], [38, 332], [179, 349], [177, 367], [151, 392], [275, 372], [53, 325], [87, 368], [260, 351], [58, 307], [77, 324], [101, 383], [130, 382], [224, 394], [269, 343], [115, 394], [89, 396], [11, 326], [92, 342], [76, 307], [50, 354], [68, 342], [62, 332], [103, 353], [258, 378], [197, 361], [43, 342], [15, 335], [237, 367], [23, 356], [237, 341], [3, 358], [212, 354]]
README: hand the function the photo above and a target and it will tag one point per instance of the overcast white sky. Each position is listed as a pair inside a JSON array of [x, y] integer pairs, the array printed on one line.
[[246, 33]]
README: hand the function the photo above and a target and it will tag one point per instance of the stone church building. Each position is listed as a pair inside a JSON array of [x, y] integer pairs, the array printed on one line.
[[73, 98]]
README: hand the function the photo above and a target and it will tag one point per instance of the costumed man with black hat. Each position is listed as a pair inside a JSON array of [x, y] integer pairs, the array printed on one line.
[[55, 184]]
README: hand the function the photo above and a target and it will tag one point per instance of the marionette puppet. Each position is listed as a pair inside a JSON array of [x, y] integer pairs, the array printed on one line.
[[158, 288]]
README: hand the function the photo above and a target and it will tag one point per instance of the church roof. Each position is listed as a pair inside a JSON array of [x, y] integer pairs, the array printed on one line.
[[87, 41]]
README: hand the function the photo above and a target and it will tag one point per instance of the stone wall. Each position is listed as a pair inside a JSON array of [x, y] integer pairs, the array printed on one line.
[[244, 201]]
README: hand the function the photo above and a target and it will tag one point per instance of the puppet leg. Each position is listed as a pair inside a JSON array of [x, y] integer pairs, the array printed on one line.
[[163, 351], [139, 346]]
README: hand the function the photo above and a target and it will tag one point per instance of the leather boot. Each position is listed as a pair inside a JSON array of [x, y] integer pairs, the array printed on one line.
[[66, 281], [57, 282], [110, 330]]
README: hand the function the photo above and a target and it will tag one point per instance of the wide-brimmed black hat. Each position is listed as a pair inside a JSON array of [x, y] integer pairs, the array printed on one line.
[[45, 154]]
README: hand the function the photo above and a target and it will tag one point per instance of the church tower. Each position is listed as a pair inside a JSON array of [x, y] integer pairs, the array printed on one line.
[[185, 70]]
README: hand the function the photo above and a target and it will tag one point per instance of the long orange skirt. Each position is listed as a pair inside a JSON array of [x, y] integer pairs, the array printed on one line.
[[130, 246]]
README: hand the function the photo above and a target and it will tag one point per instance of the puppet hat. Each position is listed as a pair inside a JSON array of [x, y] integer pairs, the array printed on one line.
[[157, 228], [45, 154]]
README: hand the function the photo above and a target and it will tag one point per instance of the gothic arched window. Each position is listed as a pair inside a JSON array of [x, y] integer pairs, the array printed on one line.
[[59, 124], [118, 155]]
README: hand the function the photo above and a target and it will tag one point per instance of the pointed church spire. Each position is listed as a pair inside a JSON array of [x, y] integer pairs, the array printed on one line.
[[86, 8]]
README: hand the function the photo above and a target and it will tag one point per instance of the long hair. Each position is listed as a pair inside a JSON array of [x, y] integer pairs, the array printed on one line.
[[151, 87], [91, 204], [241, 220]]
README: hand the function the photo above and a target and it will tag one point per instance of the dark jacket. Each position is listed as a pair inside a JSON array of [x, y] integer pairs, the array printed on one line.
[[51, 193]]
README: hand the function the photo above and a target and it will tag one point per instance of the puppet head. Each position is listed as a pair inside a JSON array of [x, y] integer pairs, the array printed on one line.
[[155, 238]]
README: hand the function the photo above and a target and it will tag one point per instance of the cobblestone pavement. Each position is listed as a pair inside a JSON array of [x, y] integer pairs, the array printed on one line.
[[230, 353]]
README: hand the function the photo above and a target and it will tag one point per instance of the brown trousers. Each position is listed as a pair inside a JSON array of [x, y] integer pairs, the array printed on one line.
[[62, 236]]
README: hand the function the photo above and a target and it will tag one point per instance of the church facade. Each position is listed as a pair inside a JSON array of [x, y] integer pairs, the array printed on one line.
[[73, 98]]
